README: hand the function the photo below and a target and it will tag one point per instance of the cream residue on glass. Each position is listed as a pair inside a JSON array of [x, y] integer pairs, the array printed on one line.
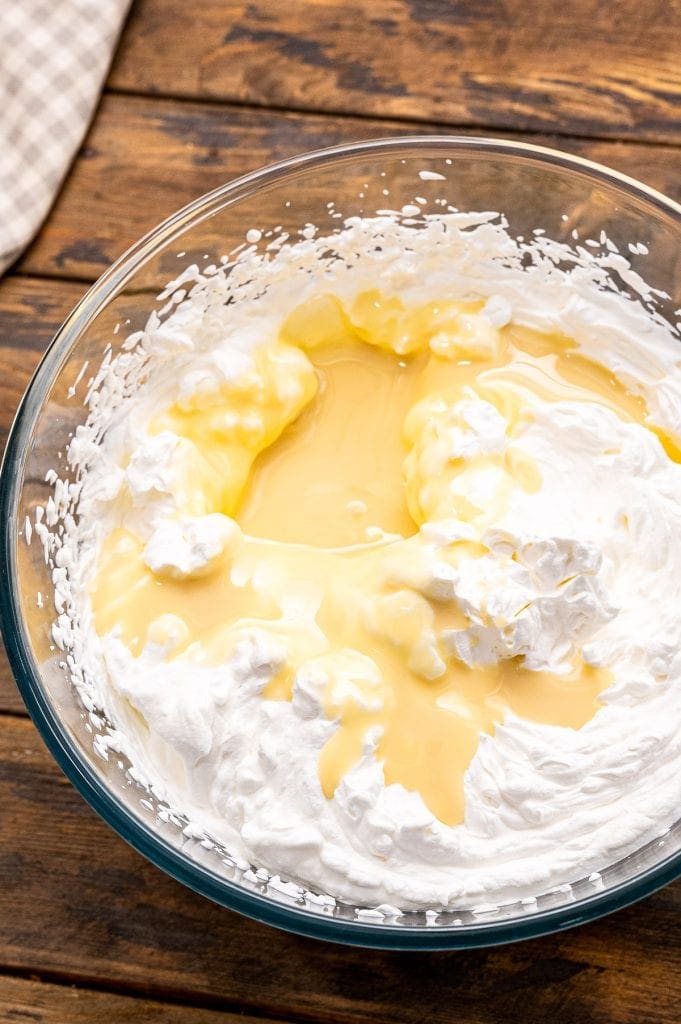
[[376, 575]]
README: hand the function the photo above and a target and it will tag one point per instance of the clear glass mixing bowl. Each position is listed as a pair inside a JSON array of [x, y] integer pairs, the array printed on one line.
[[535, 188]]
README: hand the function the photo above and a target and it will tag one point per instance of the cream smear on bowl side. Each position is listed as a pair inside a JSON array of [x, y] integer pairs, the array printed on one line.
[[562, 523]]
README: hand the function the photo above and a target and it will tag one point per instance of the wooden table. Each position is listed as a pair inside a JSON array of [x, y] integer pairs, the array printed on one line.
[[199, 93]]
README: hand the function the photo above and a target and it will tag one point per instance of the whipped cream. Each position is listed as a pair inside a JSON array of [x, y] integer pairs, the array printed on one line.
[[585, 563]]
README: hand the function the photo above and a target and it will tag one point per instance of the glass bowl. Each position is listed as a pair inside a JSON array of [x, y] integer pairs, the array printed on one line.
[[566, 196]]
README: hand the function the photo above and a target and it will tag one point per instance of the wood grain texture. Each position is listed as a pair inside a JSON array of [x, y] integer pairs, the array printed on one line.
[[145, 158], [79, 903], [10, 701], [27, 1000], [583, 67], [30, 313]]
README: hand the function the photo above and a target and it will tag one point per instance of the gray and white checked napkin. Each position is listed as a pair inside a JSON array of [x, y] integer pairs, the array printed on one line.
[[54, 55]]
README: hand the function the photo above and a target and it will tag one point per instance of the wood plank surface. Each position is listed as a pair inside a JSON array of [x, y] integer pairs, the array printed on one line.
[[78, 903], [10, 700], [28, 1000], [583, 67], [31, 310], [145, 158]]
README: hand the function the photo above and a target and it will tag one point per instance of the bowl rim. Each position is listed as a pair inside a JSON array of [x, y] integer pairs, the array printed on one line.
[[75, 766]]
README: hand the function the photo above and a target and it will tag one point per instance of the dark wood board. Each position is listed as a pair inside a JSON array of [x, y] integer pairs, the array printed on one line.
[[28, 1000], [583, 67]]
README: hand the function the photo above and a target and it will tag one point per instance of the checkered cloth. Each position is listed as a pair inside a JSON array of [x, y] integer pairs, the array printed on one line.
[[54, 55]]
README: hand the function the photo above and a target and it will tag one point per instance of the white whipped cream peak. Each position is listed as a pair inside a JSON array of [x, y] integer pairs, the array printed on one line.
[[189, 547], [540, 599]]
